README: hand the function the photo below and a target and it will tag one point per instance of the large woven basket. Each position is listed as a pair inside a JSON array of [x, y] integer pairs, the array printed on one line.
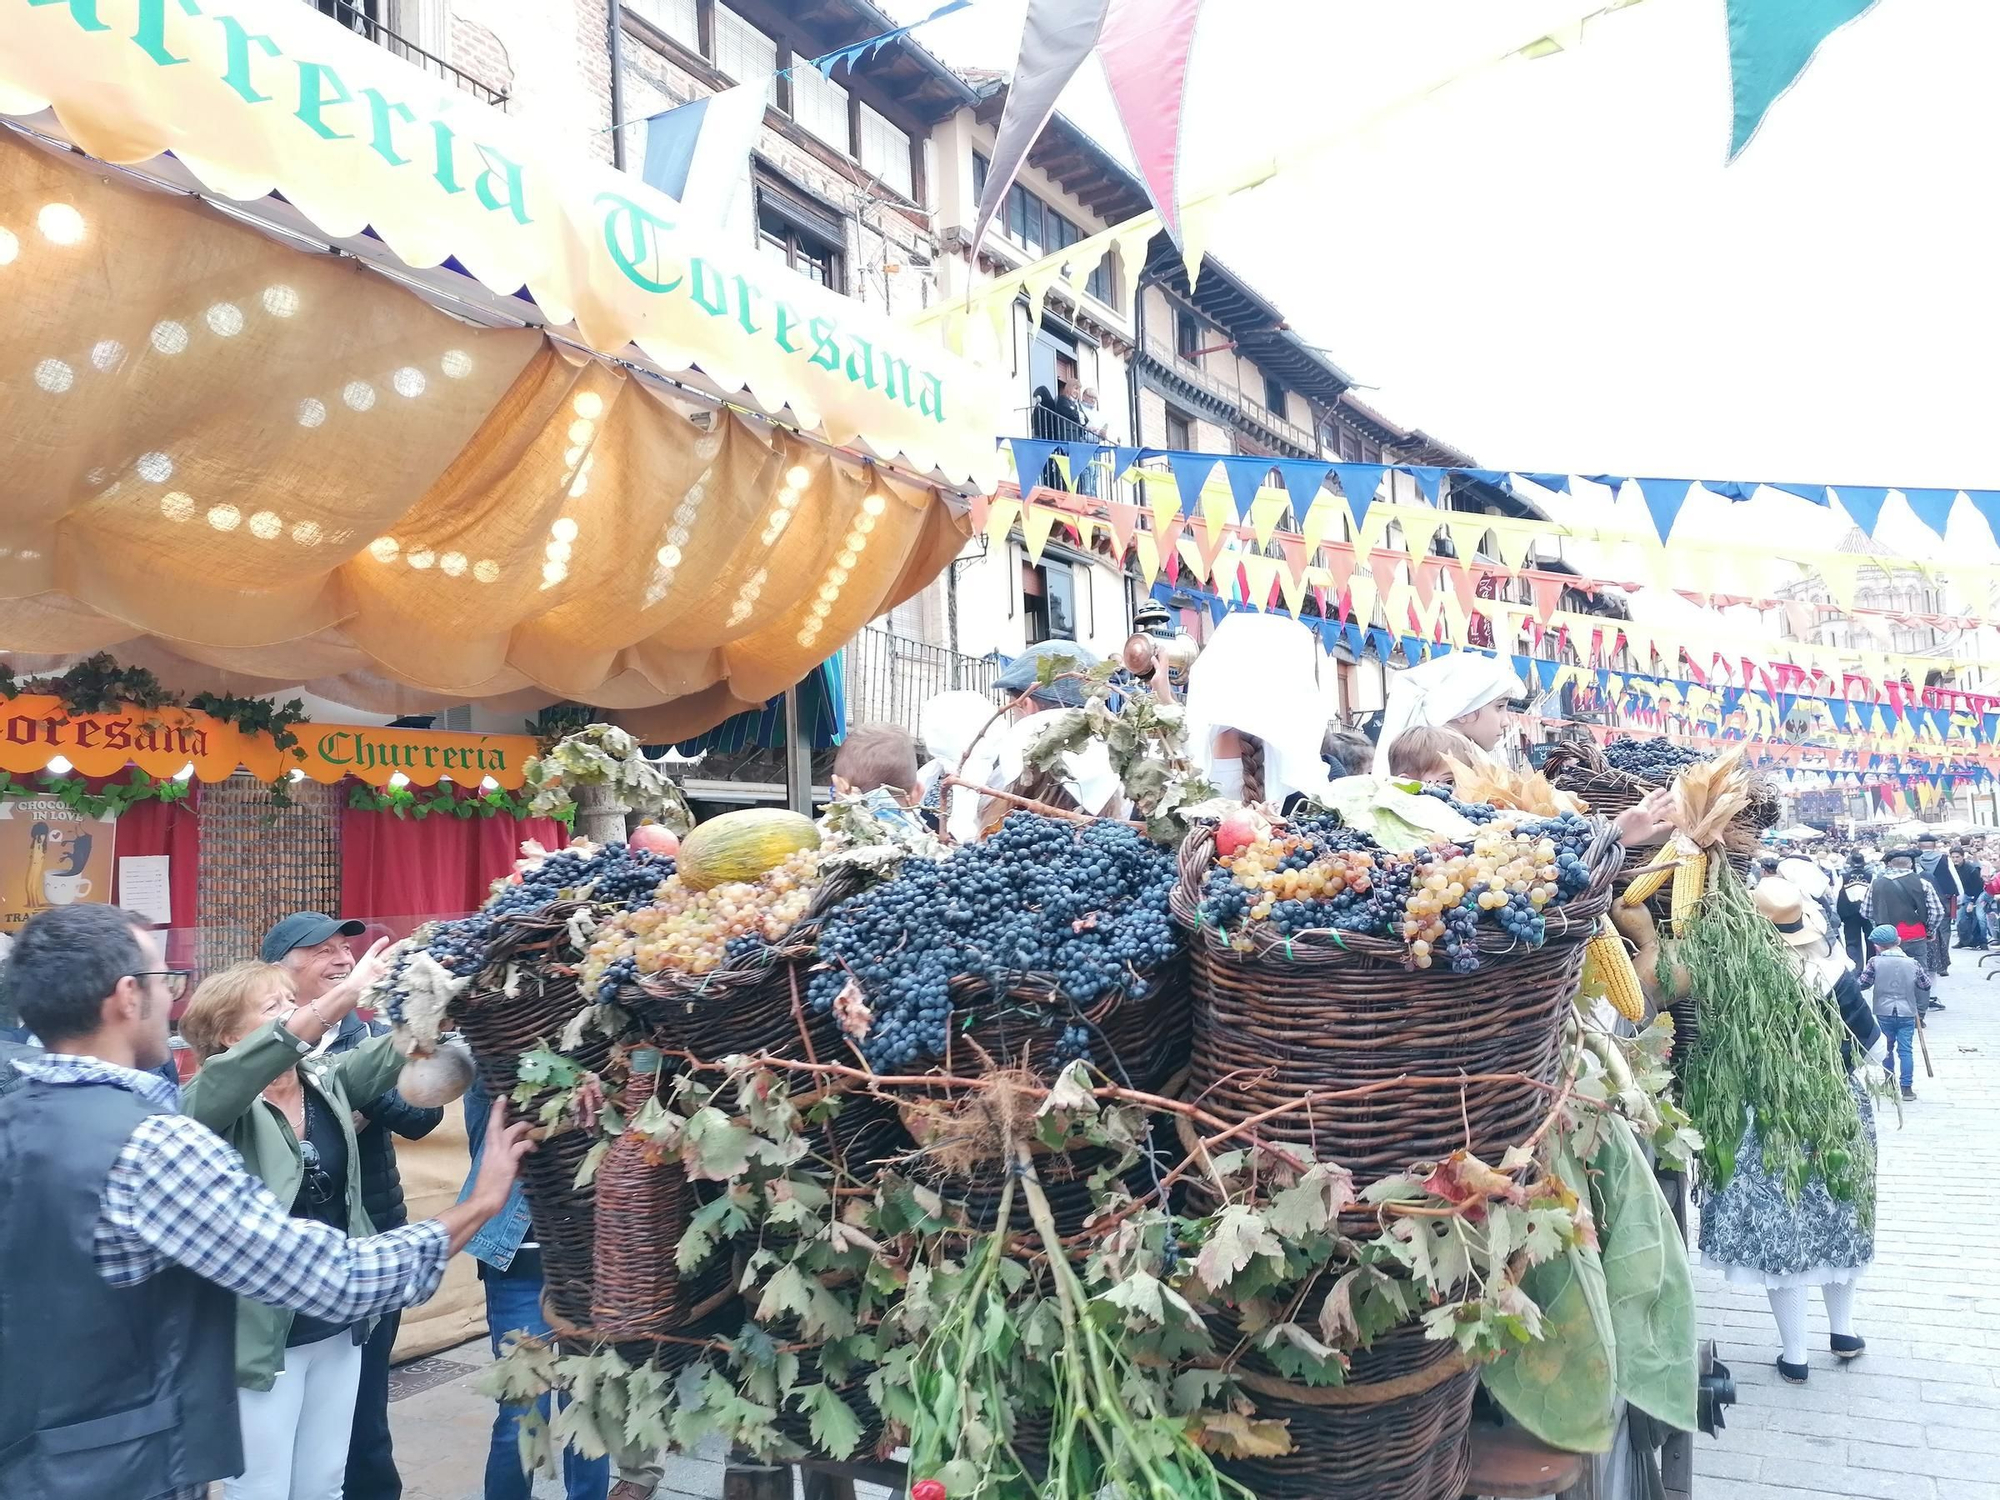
[[1398, 1430], [533, 955], [1323, 1013], [1580, 767], [1141, 1036]]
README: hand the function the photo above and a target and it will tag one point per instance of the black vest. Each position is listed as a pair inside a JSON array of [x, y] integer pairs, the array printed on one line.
[[108, 1391], [1899, 900]]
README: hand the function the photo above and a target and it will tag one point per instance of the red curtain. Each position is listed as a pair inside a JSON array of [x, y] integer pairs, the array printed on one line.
[[172, 829], [396, 873]]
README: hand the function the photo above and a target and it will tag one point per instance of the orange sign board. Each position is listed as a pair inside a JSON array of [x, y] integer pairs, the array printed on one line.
[[51, 855], [164, 741]]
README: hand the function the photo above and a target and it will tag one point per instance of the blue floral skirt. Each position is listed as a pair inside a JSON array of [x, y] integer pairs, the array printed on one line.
[[1763, 1238]]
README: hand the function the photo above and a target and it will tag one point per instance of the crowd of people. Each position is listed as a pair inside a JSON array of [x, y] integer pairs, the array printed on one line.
[[224, 1264]]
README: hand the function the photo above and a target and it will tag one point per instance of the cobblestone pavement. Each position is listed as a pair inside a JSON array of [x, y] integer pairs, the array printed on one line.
[[1918, 1416]]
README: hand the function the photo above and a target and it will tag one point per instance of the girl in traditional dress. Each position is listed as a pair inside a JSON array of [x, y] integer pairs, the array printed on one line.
[[1750, 1227], [38, 854]]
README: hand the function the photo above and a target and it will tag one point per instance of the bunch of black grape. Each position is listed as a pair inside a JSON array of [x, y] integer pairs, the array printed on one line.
[[1472, 812], [1657, 760], [1086, 906]]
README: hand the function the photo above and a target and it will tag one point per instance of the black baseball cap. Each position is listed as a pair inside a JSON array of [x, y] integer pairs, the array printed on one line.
[[305, 929]]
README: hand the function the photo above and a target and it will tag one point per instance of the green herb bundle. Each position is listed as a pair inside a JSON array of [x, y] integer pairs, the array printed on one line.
[[1768, 1041]]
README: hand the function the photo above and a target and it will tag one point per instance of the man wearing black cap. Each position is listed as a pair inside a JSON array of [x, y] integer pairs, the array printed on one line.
[[1937, 868], [1901, 898], [1852, 890], [313, 949]]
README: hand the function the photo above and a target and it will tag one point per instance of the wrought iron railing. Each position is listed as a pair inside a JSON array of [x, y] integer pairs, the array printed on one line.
[[890, 677], [363, 18]]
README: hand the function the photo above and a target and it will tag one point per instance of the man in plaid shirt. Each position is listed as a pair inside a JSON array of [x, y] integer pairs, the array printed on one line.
[[126, 1229]]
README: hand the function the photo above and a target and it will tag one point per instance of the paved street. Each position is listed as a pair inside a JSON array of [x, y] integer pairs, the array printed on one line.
[[1918, 1416]]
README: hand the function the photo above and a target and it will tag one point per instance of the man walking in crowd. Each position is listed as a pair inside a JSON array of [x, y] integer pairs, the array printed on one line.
[[127, 1231], [1900, 985], [1936, 867], [1971, 885], [1852, 891], [1901, 898], [313, 949]]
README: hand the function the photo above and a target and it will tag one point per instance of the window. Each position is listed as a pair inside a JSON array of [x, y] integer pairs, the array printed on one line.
[[1059, 233], [981, 169], [677, 18], [1180, 431], [1187, 334], [1024, 218], [885, 150], [820, 105], [1101, 285], [811, 254], [745, 53], [1274, 396], [1048, 601]]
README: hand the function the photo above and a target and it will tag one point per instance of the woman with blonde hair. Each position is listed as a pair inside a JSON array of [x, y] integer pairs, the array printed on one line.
[[289, 1111]]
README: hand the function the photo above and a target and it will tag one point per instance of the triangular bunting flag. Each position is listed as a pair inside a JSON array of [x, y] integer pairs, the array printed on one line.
[[1385, 568], [1358, 482], [1556, 483], [1862, 504], [1000, 521], [1770, 44], [1262, 573], [1813, 492], [1547, 592], [1729, 489], [1932, 507], [1146, 553], [1031, 464], [1036, 523], [976, 509], [1191, 471], [1266, 511], [1122, 521], [1429, 479], [1302, 479], [1246, 476], [1664, 498]]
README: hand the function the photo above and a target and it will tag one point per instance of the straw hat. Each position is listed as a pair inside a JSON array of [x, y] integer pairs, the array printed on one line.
[[1778, 902]]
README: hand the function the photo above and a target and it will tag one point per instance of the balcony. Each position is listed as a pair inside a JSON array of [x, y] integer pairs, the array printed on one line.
[[890, 677], [361, 17], [1245, 408]]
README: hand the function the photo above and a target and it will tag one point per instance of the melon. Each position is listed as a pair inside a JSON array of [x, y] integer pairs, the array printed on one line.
[[744, 845]]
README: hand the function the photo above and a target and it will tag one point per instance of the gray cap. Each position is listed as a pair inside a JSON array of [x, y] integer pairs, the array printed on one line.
[[1024, 671], [305, 929]]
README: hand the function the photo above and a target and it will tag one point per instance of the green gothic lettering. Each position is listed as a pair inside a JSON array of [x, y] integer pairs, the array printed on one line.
[[83, 12], [788, 318], [443, 136], [826, 353], [382, 126], [706, 287], [744, 292], [151, 33], [631, 239], [864, 372], [500, 169], [237, 74], [315, 81]]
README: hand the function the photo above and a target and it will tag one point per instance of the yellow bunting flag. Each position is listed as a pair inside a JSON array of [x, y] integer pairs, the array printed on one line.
[[1036, 523], [1000, 521]]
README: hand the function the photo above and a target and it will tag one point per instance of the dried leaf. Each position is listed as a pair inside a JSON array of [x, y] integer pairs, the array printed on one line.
[[1234, 1435]]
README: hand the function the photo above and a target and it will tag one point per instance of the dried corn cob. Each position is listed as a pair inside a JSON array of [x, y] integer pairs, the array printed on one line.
[[1613, 967], [1650, 879], [1690, 885]]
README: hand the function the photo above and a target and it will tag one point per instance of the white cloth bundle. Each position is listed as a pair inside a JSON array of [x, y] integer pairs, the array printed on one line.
[[1267, 676]]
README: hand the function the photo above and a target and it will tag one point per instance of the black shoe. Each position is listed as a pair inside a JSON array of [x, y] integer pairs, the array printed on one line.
[[1849, 1346], [1909, 1096], [1792, 1374]]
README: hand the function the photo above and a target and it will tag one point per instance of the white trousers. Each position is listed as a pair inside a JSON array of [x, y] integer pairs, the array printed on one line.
[[295, 1434]]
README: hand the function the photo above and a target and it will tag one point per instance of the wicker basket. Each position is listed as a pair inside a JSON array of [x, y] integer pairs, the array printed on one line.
[[1319, 1014], [1580, 767], [500, 1027], [1141, 1036], [1398, 1430]]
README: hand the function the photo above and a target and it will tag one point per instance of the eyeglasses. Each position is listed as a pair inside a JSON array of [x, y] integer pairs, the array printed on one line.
[[318, 1182], [174, 981]]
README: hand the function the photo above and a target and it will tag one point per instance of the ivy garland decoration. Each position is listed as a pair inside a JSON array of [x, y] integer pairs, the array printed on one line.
[[112, 799], [447, 802]]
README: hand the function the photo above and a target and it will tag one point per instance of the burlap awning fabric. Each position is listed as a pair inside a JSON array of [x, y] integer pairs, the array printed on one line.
[[252, 467]]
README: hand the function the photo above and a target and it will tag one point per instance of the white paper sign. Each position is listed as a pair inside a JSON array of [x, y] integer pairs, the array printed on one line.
[[143, 888]]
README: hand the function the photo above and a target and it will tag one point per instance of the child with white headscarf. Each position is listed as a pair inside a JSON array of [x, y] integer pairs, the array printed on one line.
[[1467, 691]]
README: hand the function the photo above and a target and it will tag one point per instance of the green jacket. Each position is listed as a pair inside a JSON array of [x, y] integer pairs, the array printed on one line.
[[226, 1096]]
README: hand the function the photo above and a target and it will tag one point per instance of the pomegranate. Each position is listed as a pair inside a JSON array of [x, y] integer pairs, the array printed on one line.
[[654, 839], [1238, 829], [927, 1489]]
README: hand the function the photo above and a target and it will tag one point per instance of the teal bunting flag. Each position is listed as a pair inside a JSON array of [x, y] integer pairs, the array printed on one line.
[[1031, 463], [1303, 478], [1429, 479], [1770, 44]]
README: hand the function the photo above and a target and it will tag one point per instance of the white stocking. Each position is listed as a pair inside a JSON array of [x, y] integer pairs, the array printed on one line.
[[1788, 1306], [1839, 1307]]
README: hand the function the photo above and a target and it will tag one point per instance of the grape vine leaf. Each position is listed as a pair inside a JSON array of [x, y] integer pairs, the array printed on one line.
[[586, 1172], [786, 1292], [713, 1149], [1238, 1237], [1647, 1280], [1312, 1204], [1234, 1435], [836, 1430]]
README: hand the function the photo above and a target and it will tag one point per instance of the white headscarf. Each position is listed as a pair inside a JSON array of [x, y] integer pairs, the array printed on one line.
[[1267, 676], [1086, 774], [948, 723], [1433, 693]]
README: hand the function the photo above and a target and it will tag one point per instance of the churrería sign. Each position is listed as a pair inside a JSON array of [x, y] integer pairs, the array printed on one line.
[[163, 742], [263, 96]]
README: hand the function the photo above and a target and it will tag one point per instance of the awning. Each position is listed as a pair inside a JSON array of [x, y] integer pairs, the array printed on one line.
[[822, 717], [262, 97], [251, 468]]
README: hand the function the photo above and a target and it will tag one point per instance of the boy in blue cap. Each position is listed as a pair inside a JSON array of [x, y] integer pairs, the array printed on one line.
[[1900, 985]]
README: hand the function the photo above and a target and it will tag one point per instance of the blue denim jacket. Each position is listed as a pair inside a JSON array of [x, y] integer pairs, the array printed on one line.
[[499, 1239]]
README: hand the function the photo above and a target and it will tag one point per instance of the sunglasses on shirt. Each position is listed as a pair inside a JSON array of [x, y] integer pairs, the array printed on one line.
[[318, 1182]]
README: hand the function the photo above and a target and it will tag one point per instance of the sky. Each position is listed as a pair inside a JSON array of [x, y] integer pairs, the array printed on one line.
[[1550, 265]]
